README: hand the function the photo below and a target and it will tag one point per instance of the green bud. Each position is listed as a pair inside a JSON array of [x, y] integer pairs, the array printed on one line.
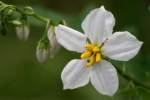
[[2, 7], [1, 3], [28, 10], [16, 22], [10, 12]]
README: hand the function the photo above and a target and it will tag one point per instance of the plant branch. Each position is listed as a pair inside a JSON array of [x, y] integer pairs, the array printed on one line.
[[131, 78], [29, 13]]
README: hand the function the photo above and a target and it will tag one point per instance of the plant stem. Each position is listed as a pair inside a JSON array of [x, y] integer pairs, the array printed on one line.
[[131, 78], [41, 18], [36, 16]]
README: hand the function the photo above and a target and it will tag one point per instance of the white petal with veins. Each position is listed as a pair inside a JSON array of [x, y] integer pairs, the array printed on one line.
[[121, 46], [98, 24], [104, 78], [75, 74], [70, 39]]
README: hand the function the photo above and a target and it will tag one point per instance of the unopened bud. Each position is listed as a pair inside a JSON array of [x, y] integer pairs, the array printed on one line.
[[16, 22], [28, 10], [22, 32], [42, 54], [10, 12], [55, 46]]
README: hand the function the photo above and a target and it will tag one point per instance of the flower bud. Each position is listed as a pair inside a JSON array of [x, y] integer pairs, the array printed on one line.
[[28, 10], [22, 32], [42, 55], [42, 52], [10, 12], [16, 22], [54, 44]]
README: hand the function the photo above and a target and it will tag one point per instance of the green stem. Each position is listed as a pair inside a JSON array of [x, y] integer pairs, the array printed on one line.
[[131, 78], [36, 16], [41, 18], [44, 37]]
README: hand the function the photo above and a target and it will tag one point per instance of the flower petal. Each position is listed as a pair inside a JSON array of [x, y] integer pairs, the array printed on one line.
[[104, 78], [55, 46], [70, 39], [121, 46], [75, 74], [98, 24]]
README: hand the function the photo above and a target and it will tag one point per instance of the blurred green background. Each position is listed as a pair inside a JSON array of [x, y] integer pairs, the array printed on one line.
[[23, 78]]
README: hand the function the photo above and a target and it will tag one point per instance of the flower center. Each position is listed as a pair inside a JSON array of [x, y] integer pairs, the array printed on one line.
[[92, 54]]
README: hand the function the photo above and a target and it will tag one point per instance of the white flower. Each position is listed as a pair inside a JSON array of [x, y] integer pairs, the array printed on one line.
[[97, 42], [55, 46], [22, 32]]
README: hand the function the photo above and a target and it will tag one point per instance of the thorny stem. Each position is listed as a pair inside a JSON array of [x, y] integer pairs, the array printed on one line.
[[47, 21]]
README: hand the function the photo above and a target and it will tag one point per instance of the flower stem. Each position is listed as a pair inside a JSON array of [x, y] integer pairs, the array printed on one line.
[[131, 78], [41, 18], [36, 16]]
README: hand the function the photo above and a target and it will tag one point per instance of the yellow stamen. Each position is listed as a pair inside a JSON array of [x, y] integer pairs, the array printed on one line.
[[98, 57], [89, 46], [86, 54], [96, 49], [91, 61], [92, 54]]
